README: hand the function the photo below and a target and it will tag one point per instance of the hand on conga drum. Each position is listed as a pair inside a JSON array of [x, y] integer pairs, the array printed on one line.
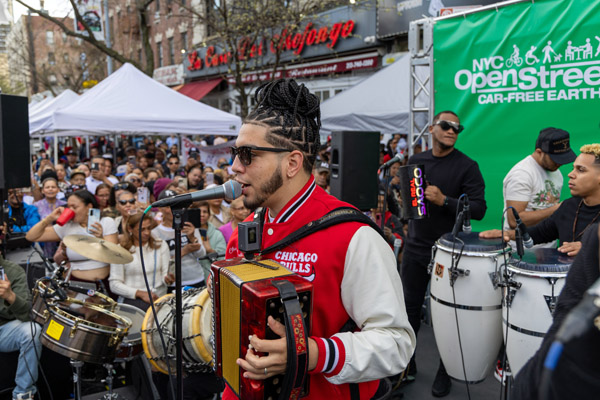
[[571, 248], [496, 234]]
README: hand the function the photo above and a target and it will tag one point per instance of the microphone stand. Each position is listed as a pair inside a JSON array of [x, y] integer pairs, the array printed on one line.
[[177, 225]]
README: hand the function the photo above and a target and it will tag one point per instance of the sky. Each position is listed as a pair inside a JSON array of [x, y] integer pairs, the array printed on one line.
[[58, 8]]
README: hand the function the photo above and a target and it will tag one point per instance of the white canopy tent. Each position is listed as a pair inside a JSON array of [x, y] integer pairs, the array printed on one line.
[[379, 103], [40, 118], [130, 102]]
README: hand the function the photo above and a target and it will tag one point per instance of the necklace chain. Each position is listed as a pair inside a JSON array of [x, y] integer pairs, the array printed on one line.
[[587, 226]]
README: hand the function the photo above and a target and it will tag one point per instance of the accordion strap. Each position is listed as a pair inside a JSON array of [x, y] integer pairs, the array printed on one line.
[[333, 217], [297, 344]]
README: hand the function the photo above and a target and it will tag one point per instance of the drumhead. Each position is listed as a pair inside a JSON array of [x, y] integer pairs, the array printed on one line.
[[135, 315], [542, 260], [472, 243]]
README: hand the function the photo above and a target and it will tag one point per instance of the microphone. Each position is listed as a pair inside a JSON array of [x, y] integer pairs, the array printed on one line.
[[466, 226], [397, 158], [580, 318], [229, 190], [527, 241], [458, 223]]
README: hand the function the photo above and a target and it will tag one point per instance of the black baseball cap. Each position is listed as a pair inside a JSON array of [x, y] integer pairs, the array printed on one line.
[[556, 143], [165, 194]]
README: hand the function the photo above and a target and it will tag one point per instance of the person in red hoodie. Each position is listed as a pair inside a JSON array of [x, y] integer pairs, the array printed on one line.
[[352, 268]]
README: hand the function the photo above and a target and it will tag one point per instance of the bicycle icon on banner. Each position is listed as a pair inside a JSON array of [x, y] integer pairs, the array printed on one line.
[[514, 59]]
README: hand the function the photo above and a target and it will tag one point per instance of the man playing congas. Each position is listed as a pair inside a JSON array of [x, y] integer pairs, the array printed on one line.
[[351, 266], [575, 215]]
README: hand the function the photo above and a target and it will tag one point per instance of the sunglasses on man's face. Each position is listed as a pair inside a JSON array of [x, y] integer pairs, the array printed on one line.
[[446, 125], [130, 201], [245, 152]]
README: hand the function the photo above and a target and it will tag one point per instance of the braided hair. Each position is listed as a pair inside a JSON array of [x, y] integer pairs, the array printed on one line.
[[291, 115]]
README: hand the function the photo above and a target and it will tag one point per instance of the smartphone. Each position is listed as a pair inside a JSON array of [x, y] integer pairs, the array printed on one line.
[[182, 182], [210, 178], [95, 166], [143, 194], [2, 277], [192, 215], [93, 216], [131, 159], [203, 233]]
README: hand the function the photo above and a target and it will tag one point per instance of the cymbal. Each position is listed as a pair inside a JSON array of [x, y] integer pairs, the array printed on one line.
[[98, 249]]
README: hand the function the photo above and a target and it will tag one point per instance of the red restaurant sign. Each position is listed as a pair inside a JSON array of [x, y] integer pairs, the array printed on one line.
[[285, 41], [322, 69]]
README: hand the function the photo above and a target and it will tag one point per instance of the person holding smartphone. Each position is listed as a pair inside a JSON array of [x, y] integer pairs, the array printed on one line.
[[82, 268], [191, 245], [212, 238], [127, 280]]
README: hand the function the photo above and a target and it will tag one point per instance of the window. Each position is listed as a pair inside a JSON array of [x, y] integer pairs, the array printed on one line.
[[160, 53], [140, 55], [157, 2], [49, 38], [51, 59], [64, 37], [66, 58], [171, 52], [52, 78], [184, 41]]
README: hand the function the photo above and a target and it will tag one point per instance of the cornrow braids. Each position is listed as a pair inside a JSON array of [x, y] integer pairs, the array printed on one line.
[[291, 115]]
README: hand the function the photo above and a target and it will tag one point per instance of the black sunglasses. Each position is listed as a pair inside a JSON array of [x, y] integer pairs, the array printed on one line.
[[130, 201], [245, 152], [445, 125]]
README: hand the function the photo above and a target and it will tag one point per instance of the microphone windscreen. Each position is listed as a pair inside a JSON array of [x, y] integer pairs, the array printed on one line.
[[233, 189]]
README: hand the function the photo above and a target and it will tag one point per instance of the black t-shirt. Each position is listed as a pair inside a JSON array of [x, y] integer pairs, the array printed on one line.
[[577, 375], [560, 224], [454, 174]]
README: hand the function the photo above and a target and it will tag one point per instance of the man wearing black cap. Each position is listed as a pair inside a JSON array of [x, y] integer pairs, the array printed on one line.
[[533, 185], [575, 215], [321, 174]]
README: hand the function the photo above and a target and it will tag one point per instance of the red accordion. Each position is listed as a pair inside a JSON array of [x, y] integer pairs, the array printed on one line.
[[245, 293]]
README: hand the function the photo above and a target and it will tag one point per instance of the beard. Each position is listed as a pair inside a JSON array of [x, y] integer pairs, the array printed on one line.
[[264, 191]]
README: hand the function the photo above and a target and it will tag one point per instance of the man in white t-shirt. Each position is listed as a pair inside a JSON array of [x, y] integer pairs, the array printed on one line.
[[100, 174], [534, 184]]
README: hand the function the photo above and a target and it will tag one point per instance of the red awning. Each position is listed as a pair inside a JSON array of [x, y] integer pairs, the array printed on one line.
[[197, 90]]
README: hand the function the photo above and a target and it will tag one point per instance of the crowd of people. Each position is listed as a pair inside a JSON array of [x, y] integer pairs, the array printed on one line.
[[284, 173]]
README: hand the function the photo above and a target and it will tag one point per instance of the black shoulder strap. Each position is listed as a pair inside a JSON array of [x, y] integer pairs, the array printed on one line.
[[334, 217]]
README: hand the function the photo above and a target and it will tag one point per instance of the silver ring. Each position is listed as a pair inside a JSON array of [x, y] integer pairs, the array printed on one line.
[[265, 370]]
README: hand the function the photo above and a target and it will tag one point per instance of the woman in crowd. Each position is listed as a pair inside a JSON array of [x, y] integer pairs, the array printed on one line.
[[85, 168], [61, 173], [82, 268], [152, 174], [191, 244], [102, 196], [45, 207], [115, 191], [126, 206], [127, 280], [212, 239], [219, 212], [239, 213], [194, 178]]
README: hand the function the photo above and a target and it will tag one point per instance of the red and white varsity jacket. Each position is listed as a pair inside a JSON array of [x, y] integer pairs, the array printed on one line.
[[354, 274]]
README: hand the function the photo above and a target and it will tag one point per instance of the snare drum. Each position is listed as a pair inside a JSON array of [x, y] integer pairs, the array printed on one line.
[[84, 332], [533, 286], [470, 294], [196, 326], [44, 296], [131, 346]]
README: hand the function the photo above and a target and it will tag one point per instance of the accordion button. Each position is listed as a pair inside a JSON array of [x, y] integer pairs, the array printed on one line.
[[270, 231]]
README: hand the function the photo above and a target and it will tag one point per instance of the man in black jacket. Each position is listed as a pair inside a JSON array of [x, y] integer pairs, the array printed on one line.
[[449, 173]]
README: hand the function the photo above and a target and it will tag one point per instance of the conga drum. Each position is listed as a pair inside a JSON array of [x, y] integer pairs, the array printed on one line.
[[533, 285], [466, 303]]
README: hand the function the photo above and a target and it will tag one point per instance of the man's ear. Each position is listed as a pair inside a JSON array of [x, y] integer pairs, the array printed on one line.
[[295, 162]]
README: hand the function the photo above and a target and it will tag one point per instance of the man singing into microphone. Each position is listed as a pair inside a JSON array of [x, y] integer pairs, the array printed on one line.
[[351, 266], [449, 174], [575, 215]]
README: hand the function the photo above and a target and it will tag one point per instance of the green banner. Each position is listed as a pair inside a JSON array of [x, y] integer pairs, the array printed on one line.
[[513, 71]]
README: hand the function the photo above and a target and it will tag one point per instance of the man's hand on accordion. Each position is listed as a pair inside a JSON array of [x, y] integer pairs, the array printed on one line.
[[274, 362]]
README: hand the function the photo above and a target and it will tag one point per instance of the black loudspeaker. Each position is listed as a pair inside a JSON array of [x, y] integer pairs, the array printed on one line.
[[14, 142], [354, 162]]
